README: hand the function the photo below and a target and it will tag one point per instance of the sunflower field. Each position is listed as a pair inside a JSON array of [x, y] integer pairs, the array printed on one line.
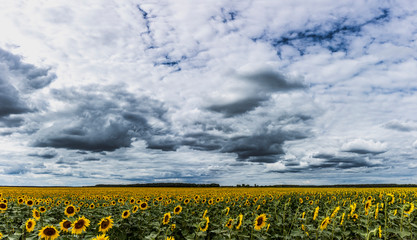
[[207, 213]]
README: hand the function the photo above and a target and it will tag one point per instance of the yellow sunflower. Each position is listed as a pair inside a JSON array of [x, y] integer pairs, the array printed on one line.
[[177, 209], [206, 224], [135, 209], [48, 233], [65, 225], [143, 205], [125, 214], [70, 211], [105, 224], [170, 238], [167, 216], [229, 223], [30, 202], [36, 214], [3, 206], [409, 207], [316, 213], [101, 237], [30, 225], [80, 225], [260, 222], [42, 209], [324, 223], [239, 221]]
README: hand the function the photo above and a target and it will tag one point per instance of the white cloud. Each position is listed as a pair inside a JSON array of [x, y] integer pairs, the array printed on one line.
[[364, 146]]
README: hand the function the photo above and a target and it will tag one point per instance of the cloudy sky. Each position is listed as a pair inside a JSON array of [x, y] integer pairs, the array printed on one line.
[[228, 92]]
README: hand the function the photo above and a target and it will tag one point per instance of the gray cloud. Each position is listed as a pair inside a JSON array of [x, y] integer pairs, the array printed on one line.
[[272, 81], [402, 126], [361, 146], [46, 153], [264, 147], [260, 85], [33, 77], [100, 120], [10, 100], [237, 107]]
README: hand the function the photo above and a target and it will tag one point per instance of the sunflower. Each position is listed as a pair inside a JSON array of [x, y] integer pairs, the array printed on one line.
[[49, 233], [186, 201], [30, 225], [229, 223], [92, 206], [65, 225], [409, 207], [42, 209], [3, 206], [105, 224], [30, 202], [20, 201], [207, 220], [260, 222], [368, 205], [70, 211], [143, 205], [355, 217], [101, 237], [316, 213], [324, 223], [227, 209], [1, 235], [177, 209], [335, 212], [173, 226], [80, 225], [170, 238], [36, 214], [239, 221], [135, 209], [132, 201], [391, 198], [125, 214]]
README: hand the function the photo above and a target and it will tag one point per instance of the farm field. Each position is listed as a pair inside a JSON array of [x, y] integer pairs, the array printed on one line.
[[207, 213]]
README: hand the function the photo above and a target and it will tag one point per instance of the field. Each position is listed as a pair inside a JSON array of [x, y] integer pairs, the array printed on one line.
[[207, 213]]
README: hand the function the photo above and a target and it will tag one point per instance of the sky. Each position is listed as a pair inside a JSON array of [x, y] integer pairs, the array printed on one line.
[[228, 92]]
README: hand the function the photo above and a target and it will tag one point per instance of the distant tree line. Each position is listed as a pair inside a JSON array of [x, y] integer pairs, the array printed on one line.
[[195, 185]]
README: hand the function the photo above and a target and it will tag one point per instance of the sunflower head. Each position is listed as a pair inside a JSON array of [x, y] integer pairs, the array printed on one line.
[[105, 224], [229, 223], [166, 218], [36, 214], [49, 233], [324, 223], [3, 206], [239, 221], [30, 202], [177, 209], [260, 222], [30, 225], [65, 225], [143, 205], [80, 225], [101, 237], [125, 214], [135, 209], [205, 224], [70, 211]]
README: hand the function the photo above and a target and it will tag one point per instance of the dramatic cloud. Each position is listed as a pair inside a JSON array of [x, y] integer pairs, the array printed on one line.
[[403, 126], [362, 146]]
